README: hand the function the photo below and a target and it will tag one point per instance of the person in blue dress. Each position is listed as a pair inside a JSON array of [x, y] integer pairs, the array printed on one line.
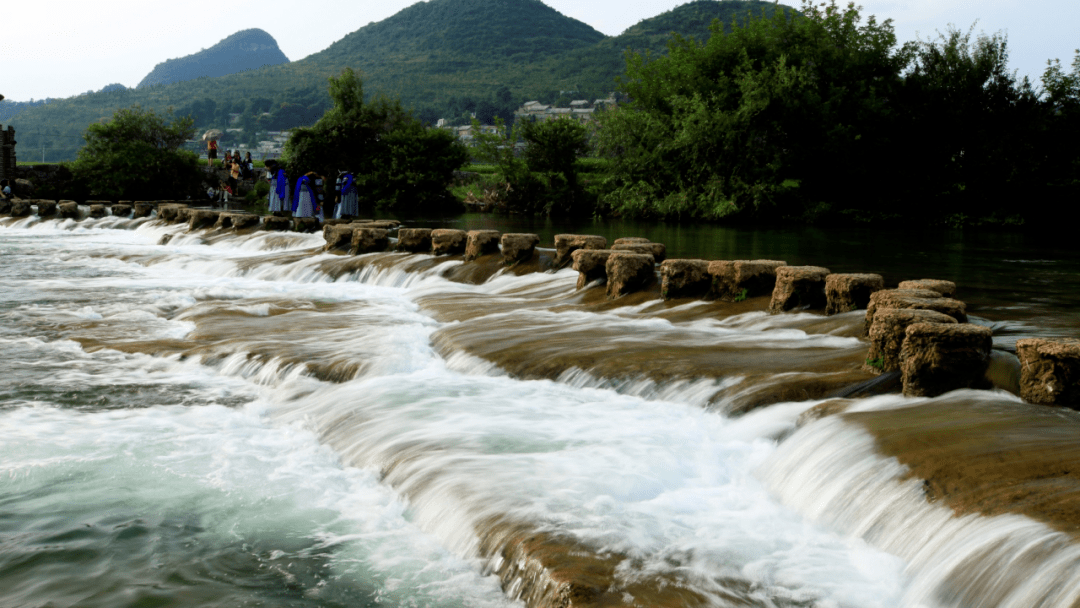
[[279, 189], [305, 198], [348, 197]]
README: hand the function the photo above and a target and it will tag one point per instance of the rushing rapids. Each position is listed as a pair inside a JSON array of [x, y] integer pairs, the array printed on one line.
[[209, 419]]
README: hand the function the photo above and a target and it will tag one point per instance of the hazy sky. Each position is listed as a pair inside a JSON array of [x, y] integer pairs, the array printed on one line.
[[59, 48]]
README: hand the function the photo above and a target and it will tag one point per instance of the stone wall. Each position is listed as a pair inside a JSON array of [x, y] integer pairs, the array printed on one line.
[[7, 152]]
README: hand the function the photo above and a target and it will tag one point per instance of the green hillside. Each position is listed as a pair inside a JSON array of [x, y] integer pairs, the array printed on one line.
[[441, 57], [244, 50]]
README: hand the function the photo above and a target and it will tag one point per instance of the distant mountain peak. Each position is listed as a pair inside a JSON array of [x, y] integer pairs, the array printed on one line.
[[245, 50]]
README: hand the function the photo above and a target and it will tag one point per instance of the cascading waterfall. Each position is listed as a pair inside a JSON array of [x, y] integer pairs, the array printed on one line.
[[204, 418]]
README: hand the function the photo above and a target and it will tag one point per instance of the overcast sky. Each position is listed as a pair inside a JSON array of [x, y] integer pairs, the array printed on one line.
[[59, 48]]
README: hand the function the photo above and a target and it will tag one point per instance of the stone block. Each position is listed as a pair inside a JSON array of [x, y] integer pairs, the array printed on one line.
[[338, 237], [448, 241], [631, 240], [5, 206], [276, 223], [919, 299], [143, 209], [801, 287], [591, 265], [847, 292], [740, 279], [202, 218], [413, 240], [684, 279], [481, 242], [98, 210], [567, 244], [888, 331], [168, 212], [1050, 371], [945, 288], [121, 210], [518, 247], [68, 210], [46, 208], [306, 224], [628, 272], [237, 221], [937, 358], [369, 240], [657, 250], [21, 208]]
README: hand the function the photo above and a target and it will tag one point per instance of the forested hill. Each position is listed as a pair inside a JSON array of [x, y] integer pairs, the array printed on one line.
[[442, 58], [244, 50]]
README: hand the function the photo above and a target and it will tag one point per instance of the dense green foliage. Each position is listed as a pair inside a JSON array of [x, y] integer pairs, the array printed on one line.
[[543, 177], [400, 164], [823, 114], [442, 58], [244, 50], [136, 155]]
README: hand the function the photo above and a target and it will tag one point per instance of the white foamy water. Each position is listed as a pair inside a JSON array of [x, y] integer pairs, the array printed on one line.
[[215, 438]]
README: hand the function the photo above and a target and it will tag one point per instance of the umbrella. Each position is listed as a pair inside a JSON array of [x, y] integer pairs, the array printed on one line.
[[211, 134]]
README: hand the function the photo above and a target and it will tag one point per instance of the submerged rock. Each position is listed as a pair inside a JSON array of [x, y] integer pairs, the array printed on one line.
[[847, 292], [937, 358], [798, 287], [1050, 371]]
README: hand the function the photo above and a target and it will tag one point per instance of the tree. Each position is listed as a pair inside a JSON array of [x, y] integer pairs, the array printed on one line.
[[399, 163], [137, 155], [741, 123]]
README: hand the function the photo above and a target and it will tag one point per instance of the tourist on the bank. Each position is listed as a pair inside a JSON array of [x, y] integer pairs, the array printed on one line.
[[348, 198], [234, 173], [225, 191], [249, 167], [228, 159], [305, 199], [279, 190], [211, 153], [5, 190], [211, 193]]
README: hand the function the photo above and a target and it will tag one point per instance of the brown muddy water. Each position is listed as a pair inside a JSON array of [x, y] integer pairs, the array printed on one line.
[[246, 420]]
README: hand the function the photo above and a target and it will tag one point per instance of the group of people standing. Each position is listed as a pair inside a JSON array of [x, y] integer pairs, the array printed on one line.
[[308, 197], [239, 167]]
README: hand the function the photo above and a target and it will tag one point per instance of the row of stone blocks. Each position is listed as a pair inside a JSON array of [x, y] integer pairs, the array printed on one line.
[[367, 237], [70, 209]]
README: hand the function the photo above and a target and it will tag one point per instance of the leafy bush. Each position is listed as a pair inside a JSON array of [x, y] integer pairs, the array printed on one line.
[[136, 156]]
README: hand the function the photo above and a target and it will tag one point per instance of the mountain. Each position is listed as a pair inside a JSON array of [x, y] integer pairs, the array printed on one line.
[[244, 50], [443, 58]]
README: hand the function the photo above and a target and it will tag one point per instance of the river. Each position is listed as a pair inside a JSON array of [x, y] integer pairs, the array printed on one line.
[[244, 420]]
